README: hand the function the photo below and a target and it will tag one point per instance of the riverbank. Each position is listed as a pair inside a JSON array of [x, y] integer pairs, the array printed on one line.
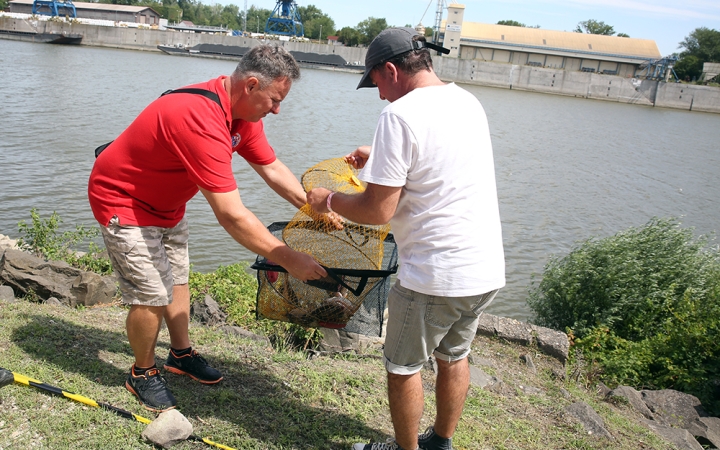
[[475, 72]]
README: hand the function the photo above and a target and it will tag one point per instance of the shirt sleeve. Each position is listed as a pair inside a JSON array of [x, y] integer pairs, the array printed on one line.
[[250, 142], [393, 152]]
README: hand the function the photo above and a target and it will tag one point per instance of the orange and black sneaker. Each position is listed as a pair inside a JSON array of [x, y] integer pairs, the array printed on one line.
[[151, 389], [192, 365]]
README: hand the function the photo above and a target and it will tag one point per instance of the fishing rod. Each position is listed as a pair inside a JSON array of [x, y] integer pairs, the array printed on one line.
[[7, 377]]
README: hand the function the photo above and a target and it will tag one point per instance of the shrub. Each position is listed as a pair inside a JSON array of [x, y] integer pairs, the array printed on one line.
[[644, 305], [43, 239], [628, 282]]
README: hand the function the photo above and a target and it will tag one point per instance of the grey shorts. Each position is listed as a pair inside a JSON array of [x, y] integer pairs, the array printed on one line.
[[420, 325], [148, 261]]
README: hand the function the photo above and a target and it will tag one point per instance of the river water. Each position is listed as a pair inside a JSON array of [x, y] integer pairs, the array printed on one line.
[[567, 169]]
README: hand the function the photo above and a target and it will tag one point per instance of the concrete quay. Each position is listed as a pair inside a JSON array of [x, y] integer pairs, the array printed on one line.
[[468, 71]]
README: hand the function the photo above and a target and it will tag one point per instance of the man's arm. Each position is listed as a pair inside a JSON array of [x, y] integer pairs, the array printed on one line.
[[282, 181], [247, 230], [374, 206]]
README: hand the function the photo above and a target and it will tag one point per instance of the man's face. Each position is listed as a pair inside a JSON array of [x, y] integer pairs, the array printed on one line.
[[258, 103]]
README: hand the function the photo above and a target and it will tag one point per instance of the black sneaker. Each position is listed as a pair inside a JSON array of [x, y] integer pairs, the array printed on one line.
[[431, 441], [151, 390], [194, 366], [389, 445]]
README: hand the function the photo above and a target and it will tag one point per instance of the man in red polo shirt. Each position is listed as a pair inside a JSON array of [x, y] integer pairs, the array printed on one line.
[[180, 144]]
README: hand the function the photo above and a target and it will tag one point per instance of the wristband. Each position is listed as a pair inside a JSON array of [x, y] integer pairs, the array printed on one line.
[[329, 199]]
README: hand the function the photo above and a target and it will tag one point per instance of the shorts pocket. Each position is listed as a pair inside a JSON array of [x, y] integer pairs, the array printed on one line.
[[439, 314], [483, 301], [128, 260]]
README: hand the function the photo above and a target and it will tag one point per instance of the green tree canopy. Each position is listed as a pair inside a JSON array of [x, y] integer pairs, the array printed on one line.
[[702, 43], [511, 23], [349, 36], [370, 28], [595, 27], [315, 21]]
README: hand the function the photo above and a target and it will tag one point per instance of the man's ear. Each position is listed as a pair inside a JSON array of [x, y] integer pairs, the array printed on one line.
[[392, 71], [252, 84]]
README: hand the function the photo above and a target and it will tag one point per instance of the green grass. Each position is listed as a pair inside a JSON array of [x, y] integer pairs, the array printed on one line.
[[270, 399]]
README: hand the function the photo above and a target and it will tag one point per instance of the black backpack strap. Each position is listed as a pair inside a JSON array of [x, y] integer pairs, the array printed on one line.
[[204, 92]]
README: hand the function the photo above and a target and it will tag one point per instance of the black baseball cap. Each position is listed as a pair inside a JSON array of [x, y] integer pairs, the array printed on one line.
[[390, 43]]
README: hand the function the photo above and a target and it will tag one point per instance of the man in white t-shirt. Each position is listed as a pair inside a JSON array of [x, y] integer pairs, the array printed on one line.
[[430, 173]]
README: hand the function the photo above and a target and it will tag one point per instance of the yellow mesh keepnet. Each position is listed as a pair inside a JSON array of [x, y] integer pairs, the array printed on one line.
[[350, 254]]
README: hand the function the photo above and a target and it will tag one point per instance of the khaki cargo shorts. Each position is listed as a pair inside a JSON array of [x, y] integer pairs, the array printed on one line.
[[420, 325], [148, 261]]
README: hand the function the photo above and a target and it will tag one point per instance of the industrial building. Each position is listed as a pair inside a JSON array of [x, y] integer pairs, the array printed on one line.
[[570, 51], [100, 11]]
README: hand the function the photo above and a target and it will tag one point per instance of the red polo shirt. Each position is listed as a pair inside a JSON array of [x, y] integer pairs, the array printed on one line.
[[177, 143]]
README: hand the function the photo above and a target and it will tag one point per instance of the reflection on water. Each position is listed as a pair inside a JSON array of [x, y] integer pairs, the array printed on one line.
[[567, 169]]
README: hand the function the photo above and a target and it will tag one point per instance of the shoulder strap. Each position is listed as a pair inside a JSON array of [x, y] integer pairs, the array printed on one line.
[[204, 92]]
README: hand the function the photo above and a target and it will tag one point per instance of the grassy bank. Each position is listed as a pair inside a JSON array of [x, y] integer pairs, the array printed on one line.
[[272, 399]]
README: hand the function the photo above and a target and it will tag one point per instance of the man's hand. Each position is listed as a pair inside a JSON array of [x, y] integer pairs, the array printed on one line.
[[303, 267], [317, 199], [334, 219], [359, 156]]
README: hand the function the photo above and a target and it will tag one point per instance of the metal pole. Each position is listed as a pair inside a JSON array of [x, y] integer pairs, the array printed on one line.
[[320, 35], [258, 25]]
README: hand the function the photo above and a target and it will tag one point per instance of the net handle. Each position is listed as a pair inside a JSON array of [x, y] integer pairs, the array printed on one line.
[[323, 285]]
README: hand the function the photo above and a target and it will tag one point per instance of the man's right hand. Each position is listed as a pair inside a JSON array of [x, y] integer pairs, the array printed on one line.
[[303, 267], [359, 156]]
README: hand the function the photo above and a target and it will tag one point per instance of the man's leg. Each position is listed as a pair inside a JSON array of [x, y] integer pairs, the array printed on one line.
[[453, 382], [177, 317], [143, 325], [405, 393]]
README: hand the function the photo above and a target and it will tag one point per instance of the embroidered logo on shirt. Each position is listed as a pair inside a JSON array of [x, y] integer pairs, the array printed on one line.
[[236, 140]]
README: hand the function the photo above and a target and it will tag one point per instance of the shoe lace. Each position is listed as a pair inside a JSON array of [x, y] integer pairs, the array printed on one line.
[[429, 431], [196, 357], [153, 378], [390, 444]]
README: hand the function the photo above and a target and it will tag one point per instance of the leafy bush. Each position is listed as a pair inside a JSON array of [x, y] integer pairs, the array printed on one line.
[[643, 305], [628, 282], [235, 291], [43, 239]]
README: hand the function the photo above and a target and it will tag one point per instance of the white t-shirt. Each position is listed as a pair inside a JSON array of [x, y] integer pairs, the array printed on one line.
[[435, 143]]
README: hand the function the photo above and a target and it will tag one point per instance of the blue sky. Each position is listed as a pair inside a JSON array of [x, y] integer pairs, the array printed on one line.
[[664, 21]]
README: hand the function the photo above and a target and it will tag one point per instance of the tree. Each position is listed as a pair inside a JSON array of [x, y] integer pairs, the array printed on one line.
[[315, 21], [701, 45], [349, 36], [622, 35], [370, 28], [595, 27], [511, 23]]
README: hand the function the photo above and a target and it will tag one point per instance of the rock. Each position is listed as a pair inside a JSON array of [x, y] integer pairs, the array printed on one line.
[[339, 340], [7, 294], [6, 242], [27, 274], [238, 331], [480, 378], [634, 399], [680, 438], [552, 342], [527, 359], [589, 419], [673, 408], [168, 429], [706, 431], [208, 312], [53, 302]]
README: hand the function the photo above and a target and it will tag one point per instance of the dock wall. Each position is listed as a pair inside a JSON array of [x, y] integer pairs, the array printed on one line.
[[508, 76]]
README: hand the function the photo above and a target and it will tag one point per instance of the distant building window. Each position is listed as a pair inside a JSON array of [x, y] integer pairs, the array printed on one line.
[[590, 46], [502, 37], [544, 42]]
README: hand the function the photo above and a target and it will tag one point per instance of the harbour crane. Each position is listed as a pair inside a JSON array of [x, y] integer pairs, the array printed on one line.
[[285, 20], [54, 8]]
